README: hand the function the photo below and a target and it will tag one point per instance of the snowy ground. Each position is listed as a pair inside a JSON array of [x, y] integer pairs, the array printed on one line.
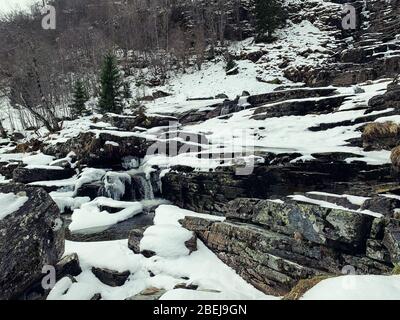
[[171, 264]]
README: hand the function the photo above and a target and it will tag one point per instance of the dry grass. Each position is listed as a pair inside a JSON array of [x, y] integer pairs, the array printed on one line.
[[376, 130], [303, 286], [396, 270], [395, 157]]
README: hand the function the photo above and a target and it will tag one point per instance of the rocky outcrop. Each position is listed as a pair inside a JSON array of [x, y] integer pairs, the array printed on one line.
[[299, 108], [390, 99], [336, 227], [28, 175], [282, 95], [30, 238], [209, 191], [130, 123], [274, 244], [103, 149]]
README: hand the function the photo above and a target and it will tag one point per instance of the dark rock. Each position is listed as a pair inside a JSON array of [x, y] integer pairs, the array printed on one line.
[[191, 244], [381, 204], [129, 123], [186, 286], [134, 239], [17, 136], [278, 96], [25, 175], [93, 150], [160, 94], [221, 96], [390, 99], [233, 71], [7, 168], [254, 56], [91, 190], [30, 238], [69, 265], [391, 241], [97, 296], [110, 277], [208, 192], [299, 108]]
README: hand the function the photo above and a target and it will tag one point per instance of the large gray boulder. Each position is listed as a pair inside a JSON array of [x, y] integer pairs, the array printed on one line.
[[315, 223], [30, 238]]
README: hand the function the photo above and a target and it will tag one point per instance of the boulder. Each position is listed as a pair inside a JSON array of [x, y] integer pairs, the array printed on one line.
[[381, 204], [28, 175], [102, 149], [160, 94], [30, 238], [315, 223], [134, 239], [390, 99], [111, 277], [271, 261], [391, 241], [69, 265]]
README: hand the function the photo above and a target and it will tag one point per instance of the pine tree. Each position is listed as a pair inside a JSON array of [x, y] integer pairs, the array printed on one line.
[[80, 98], [110, 95], [270, 15]]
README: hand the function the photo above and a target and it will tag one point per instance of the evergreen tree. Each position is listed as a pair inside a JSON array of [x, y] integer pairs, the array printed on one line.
[[110, 95], [270, 15], [79, 100]]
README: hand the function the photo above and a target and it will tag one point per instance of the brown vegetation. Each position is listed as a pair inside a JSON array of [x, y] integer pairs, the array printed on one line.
[[377, 136], [303, 286]]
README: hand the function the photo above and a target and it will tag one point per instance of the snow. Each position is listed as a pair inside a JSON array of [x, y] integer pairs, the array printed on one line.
[[112, 143], [166, 240], [10, 202], [39, 159], [168, 270], [45, 167], [88, 175], [11, 5], [3, 179], [89, 216], [66, 200], [356, 287]]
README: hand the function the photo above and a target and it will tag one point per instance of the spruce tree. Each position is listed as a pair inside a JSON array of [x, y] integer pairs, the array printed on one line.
[[110, 94], [270, 15], [80, 97]]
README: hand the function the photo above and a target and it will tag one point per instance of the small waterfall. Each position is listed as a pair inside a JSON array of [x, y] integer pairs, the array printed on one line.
[[147, 188], [141, 188]]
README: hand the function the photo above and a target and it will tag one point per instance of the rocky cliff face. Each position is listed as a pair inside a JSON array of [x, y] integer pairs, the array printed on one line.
[[370, 52]]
